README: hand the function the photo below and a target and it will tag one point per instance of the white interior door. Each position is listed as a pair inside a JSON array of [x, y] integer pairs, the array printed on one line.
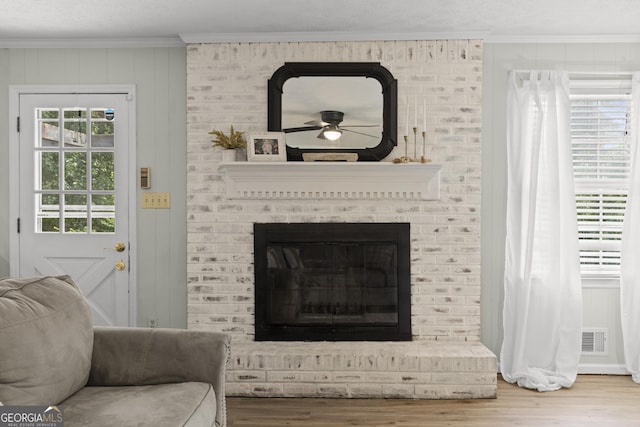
[[73, 191]]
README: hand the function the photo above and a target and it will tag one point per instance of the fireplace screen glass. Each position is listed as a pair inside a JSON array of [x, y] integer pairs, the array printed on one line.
[[332, 283]]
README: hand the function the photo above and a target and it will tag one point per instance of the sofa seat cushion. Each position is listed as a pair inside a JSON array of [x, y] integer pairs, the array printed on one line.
[[190, 404], [46, 340]]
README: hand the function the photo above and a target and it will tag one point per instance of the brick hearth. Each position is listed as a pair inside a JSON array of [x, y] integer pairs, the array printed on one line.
[[422, 370]]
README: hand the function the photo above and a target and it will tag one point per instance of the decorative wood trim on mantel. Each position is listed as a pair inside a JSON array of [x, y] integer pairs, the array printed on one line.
[[331, 180]]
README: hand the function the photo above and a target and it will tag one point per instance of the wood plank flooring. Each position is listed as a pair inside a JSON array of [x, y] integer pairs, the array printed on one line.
[[594, 400]]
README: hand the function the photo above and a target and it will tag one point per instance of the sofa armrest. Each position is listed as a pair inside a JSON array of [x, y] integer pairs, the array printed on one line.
[[144, 356]]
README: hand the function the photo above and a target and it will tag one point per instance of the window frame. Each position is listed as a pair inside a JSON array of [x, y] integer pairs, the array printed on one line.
[[600, 88]]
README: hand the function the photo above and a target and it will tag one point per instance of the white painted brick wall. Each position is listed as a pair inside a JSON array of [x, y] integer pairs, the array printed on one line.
[[227, 84]]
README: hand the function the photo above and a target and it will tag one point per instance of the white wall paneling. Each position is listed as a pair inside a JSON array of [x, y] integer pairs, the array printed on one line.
[[159, 75]]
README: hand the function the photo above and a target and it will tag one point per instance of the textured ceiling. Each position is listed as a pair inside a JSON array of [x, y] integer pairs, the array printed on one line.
[[246, 20]]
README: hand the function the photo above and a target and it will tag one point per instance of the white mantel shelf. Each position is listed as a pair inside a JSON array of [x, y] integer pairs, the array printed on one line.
[[331, 180]]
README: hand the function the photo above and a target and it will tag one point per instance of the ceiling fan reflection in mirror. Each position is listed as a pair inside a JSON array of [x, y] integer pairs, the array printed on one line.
[[329, 124]]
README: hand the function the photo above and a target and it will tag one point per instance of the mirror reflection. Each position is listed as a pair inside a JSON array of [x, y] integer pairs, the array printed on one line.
[[334, 107], [332, 112]]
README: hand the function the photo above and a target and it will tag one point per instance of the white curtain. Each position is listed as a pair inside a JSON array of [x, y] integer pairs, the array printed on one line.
[[543, 296], [630, 251]]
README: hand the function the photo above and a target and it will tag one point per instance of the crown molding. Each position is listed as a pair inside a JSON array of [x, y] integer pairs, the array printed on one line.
[[563, 38], [67, 43], [334, 36], [328, 36]]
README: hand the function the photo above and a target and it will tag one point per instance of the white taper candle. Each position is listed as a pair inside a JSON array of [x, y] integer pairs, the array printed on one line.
[[406, 128], [424, 114]]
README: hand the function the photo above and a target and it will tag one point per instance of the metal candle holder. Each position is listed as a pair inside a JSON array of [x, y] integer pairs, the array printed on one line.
[[424, 158], [406, 158]]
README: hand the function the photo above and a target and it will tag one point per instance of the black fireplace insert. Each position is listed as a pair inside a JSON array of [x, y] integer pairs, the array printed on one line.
[[332, 282]]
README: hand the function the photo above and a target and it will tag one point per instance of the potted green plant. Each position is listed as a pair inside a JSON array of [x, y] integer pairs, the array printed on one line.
[[230, 144]]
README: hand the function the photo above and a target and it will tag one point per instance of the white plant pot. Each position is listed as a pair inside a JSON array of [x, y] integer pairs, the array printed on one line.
[[229, 155]]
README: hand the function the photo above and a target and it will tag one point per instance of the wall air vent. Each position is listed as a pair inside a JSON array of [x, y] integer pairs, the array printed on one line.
[[595, 341]]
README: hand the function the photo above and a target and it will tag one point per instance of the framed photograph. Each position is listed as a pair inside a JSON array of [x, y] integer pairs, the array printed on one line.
[[267, 147]]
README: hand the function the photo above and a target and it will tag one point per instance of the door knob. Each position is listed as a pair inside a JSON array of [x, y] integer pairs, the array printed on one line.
[[120, 265], [119, 247]]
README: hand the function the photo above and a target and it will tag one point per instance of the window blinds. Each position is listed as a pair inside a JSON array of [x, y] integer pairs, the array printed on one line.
[[601, 150]]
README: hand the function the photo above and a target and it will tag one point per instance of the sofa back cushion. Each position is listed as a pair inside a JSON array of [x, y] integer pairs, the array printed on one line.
[[46, 340]]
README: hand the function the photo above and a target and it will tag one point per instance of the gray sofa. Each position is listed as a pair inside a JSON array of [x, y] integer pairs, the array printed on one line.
[[50, 354]]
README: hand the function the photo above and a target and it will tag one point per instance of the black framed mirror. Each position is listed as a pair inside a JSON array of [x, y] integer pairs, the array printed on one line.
[[334, 107]]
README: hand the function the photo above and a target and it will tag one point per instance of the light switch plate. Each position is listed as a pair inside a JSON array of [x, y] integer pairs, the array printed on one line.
[[160, 200]]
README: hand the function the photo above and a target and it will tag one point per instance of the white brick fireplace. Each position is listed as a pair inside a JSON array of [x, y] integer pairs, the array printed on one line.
[[227, 84]]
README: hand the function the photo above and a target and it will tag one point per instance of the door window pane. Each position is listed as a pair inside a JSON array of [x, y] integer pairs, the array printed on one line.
[[47, 213], [103, 213], [102, 128], [49, 128], [75, 171], [49, 171], [75, 213], [75, 128], [102, 176]]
